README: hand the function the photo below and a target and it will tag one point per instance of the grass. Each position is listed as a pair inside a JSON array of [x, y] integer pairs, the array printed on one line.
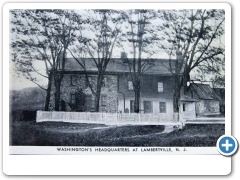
[[30, 133]]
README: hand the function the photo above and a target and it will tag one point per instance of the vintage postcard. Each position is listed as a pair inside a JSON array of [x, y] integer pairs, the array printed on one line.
[[120, 80]]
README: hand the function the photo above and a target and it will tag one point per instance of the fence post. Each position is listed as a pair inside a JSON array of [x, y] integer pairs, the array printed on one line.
[[117, 117], [52, 116]]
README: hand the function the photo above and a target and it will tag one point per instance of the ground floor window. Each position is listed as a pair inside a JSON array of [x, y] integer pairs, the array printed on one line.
[[73, 98], [162, 107], [104, 100], [147, 106]]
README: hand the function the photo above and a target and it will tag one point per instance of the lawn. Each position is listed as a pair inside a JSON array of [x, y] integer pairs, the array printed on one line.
[[30, 133]]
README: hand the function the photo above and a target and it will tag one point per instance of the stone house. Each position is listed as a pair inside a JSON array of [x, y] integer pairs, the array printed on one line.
[[221, 93], [117, 94], [208, 102]]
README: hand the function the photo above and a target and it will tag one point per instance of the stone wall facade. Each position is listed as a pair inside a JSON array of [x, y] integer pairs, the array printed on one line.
[[73, 83], [207, 107]]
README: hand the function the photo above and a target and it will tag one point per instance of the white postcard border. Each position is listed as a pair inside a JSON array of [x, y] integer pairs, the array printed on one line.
[[114, 164]]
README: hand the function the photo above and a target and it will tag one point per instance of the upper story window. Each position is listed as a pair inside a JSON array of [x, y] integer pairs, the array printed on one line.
[[75, 80], [104, 81], [160, 86], [90, 79], [130, 85]]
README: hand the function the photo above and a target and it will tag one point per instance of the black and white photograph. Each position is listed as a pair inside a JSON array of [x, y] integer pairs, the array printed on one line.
[[101, 88], [117, 78]]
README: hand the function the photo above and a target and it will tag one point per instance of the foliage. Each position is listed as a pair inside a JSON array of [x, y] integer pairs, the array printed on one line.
[[193, 37], [105, 29], [43, 36], [142, 38]]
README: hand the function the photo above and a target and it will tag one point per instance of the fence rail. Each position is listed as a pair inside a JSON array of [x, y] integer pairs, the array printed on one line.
[[103, 118], [120, 119]]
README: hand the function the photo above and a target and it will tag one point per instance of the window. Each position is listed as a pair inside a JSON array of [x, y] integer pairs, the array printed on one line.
[[75, 80], [132, 106], [147, 105], [88, 103], [92, 104], [130, 85], [160, 87], [162, 107], [73, 98], [104, 81], [90, 79], [104, 100]]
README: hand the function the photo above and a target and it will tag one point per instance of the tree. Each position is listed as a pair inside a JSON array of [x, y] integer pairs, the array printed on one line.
[[192, 37], [142, 38], [105, 29], [212, 71], [43, 36]]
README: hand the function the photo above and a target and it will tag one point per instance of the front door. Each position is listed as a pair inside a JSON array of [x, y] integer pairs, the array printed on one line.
[[147, 106], [131, 106], [88, 103]]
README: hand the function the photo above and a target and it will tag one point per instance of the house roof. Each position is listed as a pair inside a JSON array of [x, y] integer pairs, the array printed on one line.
[[203, 91], [220, 92], [117, 65]]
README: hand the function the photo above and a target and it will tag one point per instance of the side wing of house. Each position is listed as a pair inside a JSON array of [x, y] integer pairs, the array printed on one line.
[[156, 95], [208, 101]]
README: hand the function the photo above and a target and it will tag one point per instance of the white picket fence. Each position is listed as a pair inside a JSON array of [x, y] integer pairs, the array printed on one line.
[[102, 118]]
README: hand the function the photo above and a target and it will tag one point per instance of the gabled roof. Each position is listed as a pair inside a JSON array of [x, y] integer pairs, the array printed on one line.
[[203, 91], [117, 65]]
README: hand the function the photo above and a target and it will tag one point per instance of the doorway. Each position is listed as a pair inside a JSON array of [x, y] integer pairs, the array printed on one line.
[[147, 106], [88, 103], [132, 106]]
